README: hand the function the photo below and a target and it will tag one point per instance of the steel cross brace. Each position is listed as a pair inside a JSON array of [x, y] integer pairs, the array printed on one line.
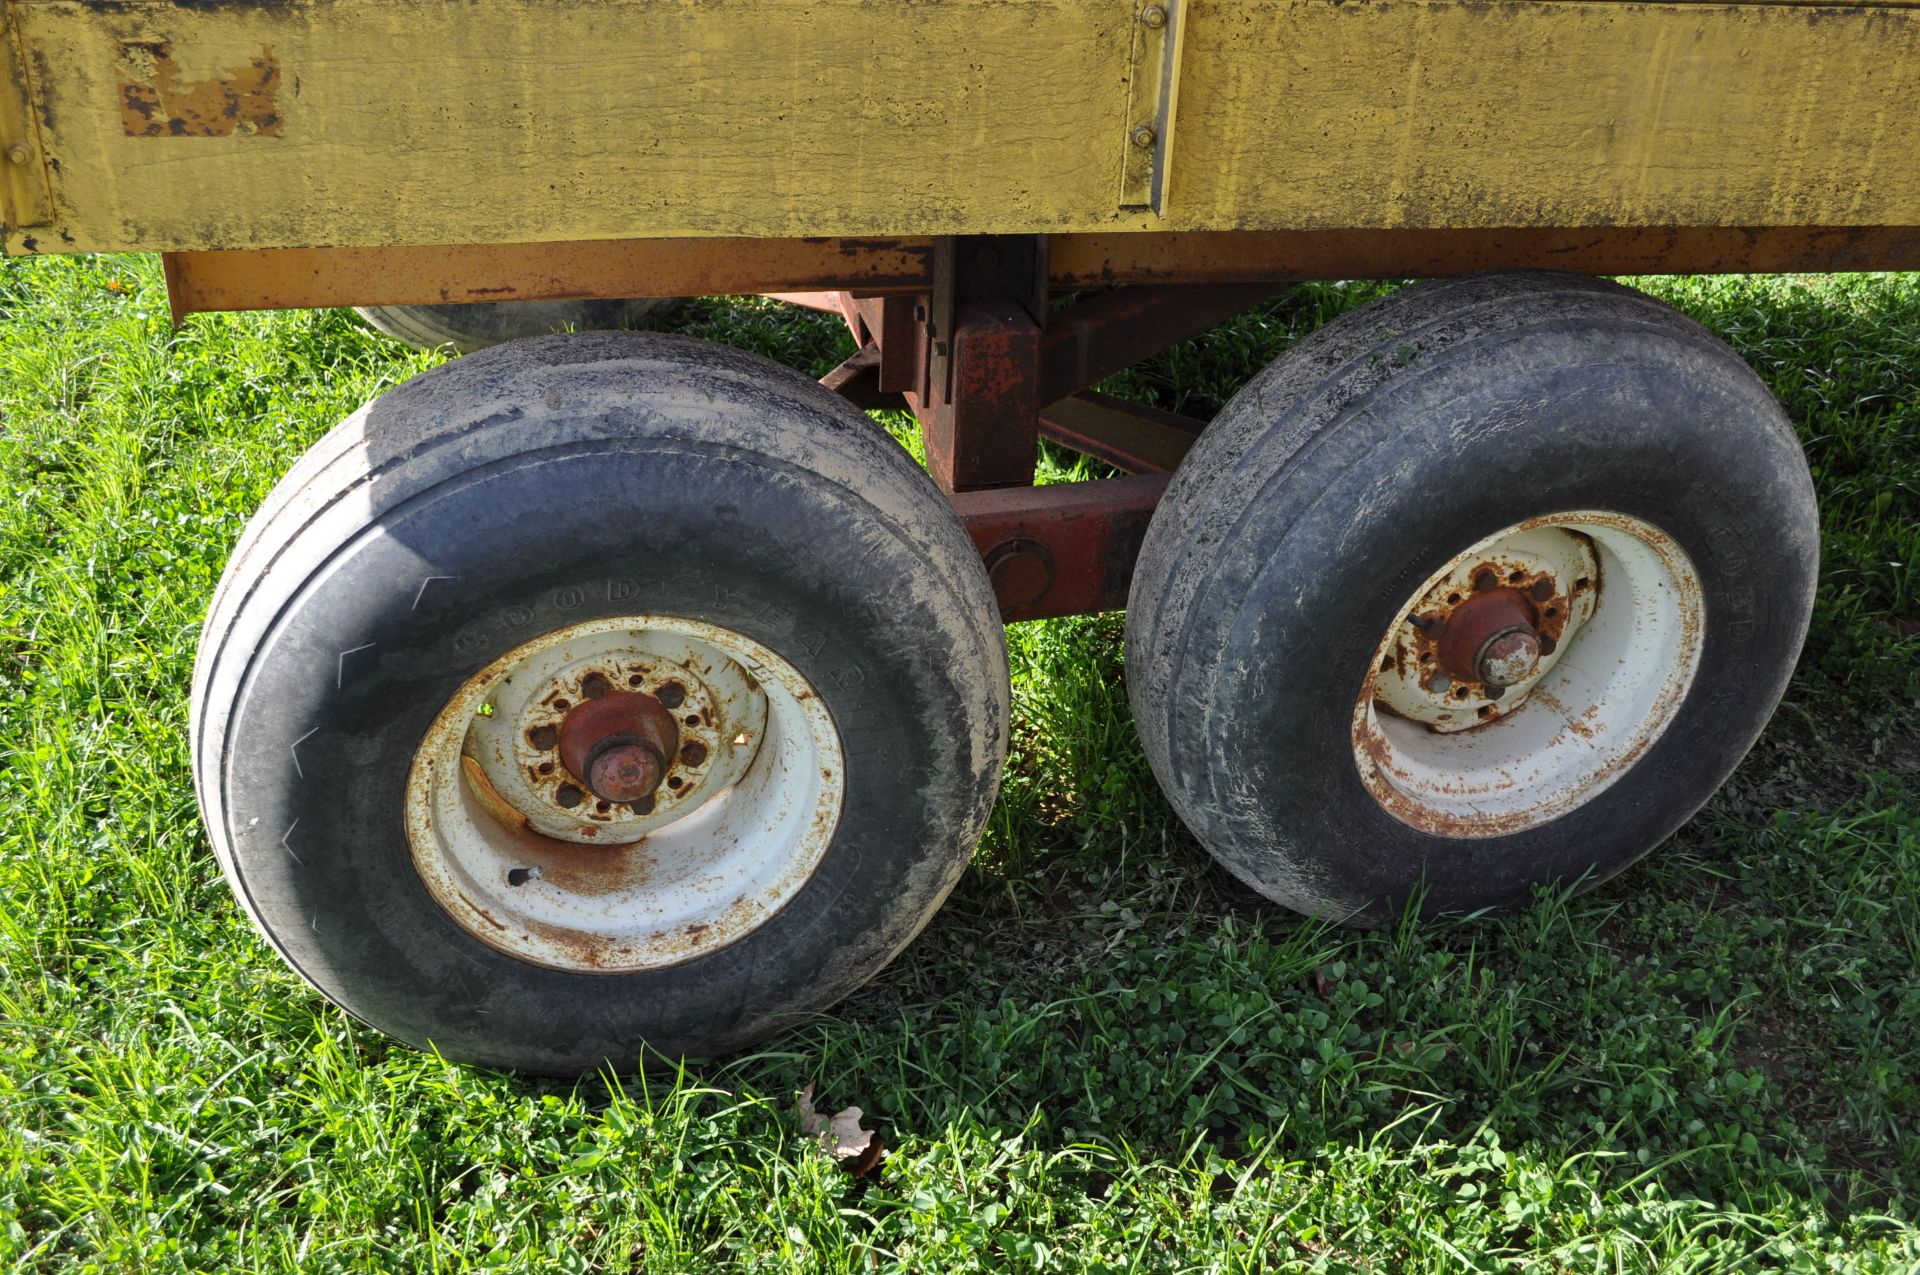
[[989, 364]]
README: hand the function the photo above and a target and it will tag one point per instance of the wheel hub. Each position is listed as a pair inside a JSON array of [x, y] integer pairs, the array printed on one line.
[[625, 794], [558, 746], [1493, 637], [619, 745], [1484, 631], [1529, 673]]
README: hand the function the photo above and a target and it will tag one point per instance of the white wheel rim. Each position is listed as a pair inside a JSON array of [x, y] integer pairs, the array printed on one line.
[[1618, 636], [742, 818]]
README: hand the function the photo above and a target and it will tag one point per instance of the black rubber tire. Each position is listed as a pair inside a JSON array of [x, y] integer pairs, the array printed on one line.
[[1358, 464], [499, 496], [476, 326]]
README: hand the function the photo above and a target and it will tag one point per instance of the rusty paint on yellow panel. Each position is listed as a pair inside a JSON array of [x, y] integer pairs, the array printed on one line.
[[156, 101], [525, 120], [444, 121]]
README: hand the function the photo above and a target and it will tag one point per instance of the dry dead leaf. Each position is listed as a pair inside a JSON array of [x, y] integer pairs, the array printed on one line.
[[840, 1137]]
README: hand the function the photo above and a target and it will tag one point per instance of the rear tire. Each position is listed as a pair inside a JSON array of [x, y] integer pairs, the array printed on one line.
[[680, 512], [1288, 695]]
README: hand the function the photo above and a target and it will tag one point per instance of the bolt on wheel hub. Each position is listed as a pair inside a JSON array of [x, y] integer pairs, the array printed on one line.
[[1529, 673]]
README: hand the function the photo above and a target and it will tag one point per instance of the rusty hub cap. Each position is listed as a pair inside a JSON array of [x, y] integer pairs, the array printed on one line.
[[1509, 657], [1529, 673], [626, 772], [625, 794], [1491, 637], [619, 744]]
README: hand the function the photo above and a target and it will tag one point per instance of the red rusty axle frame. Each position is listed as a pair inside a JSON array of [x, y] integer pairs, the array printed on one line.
[[963, 332], [989, 364], [1064, 549]]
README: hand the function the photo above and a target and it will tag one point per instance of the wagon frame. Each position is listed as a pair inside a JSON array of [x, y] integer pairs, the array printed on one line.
[[1007, 202]]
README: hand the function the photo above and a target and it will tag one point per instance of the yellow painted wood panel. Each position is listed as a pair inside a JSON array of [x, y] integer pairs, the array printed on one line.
[[1309, 115], [444, 121], [355, 122]]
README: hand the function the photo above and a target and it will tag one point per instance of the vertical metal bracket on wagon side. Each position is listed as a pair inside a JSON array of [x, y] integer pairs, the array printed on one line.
[[26, 202], [1153, 85]]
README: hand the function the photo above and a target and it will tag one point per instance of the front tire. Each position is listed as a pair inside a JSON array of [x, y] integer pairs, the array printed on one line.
[[1332, 530], [478, 325], [574, 518]]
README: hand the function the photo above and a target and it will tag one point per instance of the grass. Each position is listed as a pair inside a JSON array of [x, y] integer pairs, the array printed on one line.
[[1103, 1055]]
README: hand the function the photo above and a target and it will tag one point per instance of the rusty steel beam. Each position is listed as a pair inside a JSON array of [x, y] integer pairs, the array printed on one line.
[[896, 324], [831, 302], [893, 322], [1111, 331], [1089, 260], [1066, 549], [1129, 436], [277, 278], [858, 381], [982, 429]]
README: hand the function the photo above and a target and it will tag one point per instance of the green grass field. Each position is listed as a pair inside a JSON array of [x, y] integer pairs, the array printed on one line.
[[1103, 1055]]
